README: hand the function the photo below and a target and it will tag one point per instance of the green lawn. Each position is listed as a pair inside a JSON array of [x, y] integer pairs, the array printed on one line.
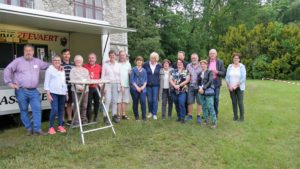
[[269, 138]]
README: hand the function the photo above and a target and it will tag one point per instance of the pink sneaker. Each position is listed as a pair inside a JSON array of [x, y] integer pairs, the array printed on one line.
[[51, 130], [61, 129]]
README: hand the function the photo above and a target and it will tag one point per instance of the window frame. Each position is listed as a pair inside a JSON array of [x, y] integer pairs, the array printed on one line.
[[21, 2], [84, 5]]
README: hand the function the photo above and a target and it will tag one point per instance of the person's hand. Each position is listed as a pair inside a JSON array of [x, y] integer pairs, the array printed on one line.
[[49, 97], [201, 91], [120, 89], [215, 71], [13, 86], [139, 89], [235, 87], [177, 87]]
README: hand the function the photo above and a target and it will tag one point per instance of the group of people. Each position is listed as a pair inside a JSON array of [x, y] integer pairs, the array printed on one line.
[[181, 83]]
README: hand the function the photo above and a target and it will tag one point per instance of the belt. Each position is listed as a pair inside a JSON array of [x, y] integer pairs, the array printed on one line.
[[27, 88]]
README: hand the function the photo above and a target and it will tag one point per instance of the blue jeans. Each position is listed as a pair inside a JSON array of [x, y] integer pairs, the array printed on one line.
[[57, 108], [136, 98], [180, 104], [216, 98], [25, 98], [208, 107], [152, 97]]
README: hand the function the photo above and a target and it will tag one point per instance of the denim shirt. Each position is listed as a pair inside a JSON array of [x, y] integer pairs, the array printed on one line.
[[138, 77], [242, 77]]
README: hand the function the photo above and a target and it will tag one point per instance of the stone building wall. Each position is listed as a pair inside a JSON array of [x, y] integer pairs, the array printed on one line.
[[114, 13]]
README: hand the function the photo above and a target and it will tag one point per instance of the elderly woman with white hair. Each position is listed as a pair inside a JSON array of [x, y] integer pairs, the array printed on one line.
[[79, 73], [152, 68]]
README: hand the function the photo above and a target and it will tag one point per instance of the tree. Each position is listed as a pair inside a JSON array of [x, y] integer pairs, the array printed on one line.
[[147, 38]]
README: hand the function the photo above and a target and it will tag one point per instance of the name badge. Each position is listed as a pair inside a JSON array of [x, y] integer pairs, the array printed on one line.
[[35, 66]]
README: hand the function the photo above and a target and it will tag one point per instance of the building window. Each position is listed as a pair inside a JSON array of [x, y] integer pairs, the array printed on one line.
[[21, 3], [89, 9]]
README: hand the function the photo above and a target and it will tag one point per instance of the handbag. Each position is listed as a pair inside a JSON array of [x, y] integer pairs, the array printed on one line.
[[209, 92]]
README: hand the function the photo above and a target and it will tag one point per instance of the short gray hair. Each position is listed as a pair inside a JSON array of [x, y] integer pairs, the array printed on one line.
[[78, 57], [212, 50], [154, 55]]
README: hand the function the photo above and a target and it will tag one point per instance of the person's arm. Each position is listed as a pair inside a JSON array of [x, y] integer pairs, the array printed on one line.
[[100, 71], [243, 74], [103, 74], [8, 74], [145, 80], [47, 80], [47, 85], [200, 85], [132, 77], [221, 72], [187, 80], [43, 65], [227, 78], [121, 82], [172, 80], [210, 80]]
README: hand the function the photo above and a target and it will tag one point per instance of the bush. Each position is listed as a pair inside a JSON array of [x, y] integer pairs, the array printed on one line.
[[295, 75], [260, 67]]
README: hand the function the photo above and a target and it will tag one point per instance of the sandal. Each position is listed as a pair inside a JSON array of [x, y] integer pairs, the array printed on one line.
[[125, 117]]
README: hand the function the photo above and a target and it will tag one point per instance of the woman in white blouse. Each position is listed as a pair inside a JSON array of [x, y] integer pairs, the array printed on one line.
[[56, 88], [235, 79], [111, 71]]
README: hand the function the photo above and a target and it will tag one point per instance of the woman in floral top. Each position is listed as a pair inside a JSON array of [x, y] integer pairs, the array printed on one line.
[[179, 80]]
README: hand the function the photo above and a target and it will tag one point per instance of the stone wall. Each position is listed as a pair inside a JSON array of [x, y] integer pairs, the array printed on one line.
[[57, 6], [114, 13]]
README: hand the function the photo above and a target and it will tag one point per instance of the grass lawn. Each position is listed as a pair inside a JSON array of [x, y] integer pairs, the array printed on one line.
[[269, 138]]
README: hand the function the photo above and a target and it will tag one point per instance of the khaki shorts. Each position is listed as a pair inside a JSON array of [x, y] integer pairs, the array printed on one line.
[[125, 96]]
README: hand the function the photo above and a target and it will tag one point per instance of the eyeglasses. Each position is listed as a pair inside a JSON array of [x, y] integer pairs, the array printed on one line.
[[56, 60]]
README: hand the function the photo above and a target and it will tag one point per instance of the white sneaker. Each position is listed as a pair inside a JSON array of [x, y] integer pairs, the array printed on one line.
[[154, 117], [149, 115]]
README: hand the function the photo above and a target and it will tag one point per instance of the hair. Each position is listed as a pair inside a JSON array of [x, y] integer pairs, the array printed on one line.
[[64, 51], [111, 52], [78, 57], [236, 54], [212, 50], [203, 61], [154, 54], [179, 60], [139, 58], [166, 61], [123, 52], [28, 46], [92, 53], [181, 52], [195, 54], [56, 57]]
